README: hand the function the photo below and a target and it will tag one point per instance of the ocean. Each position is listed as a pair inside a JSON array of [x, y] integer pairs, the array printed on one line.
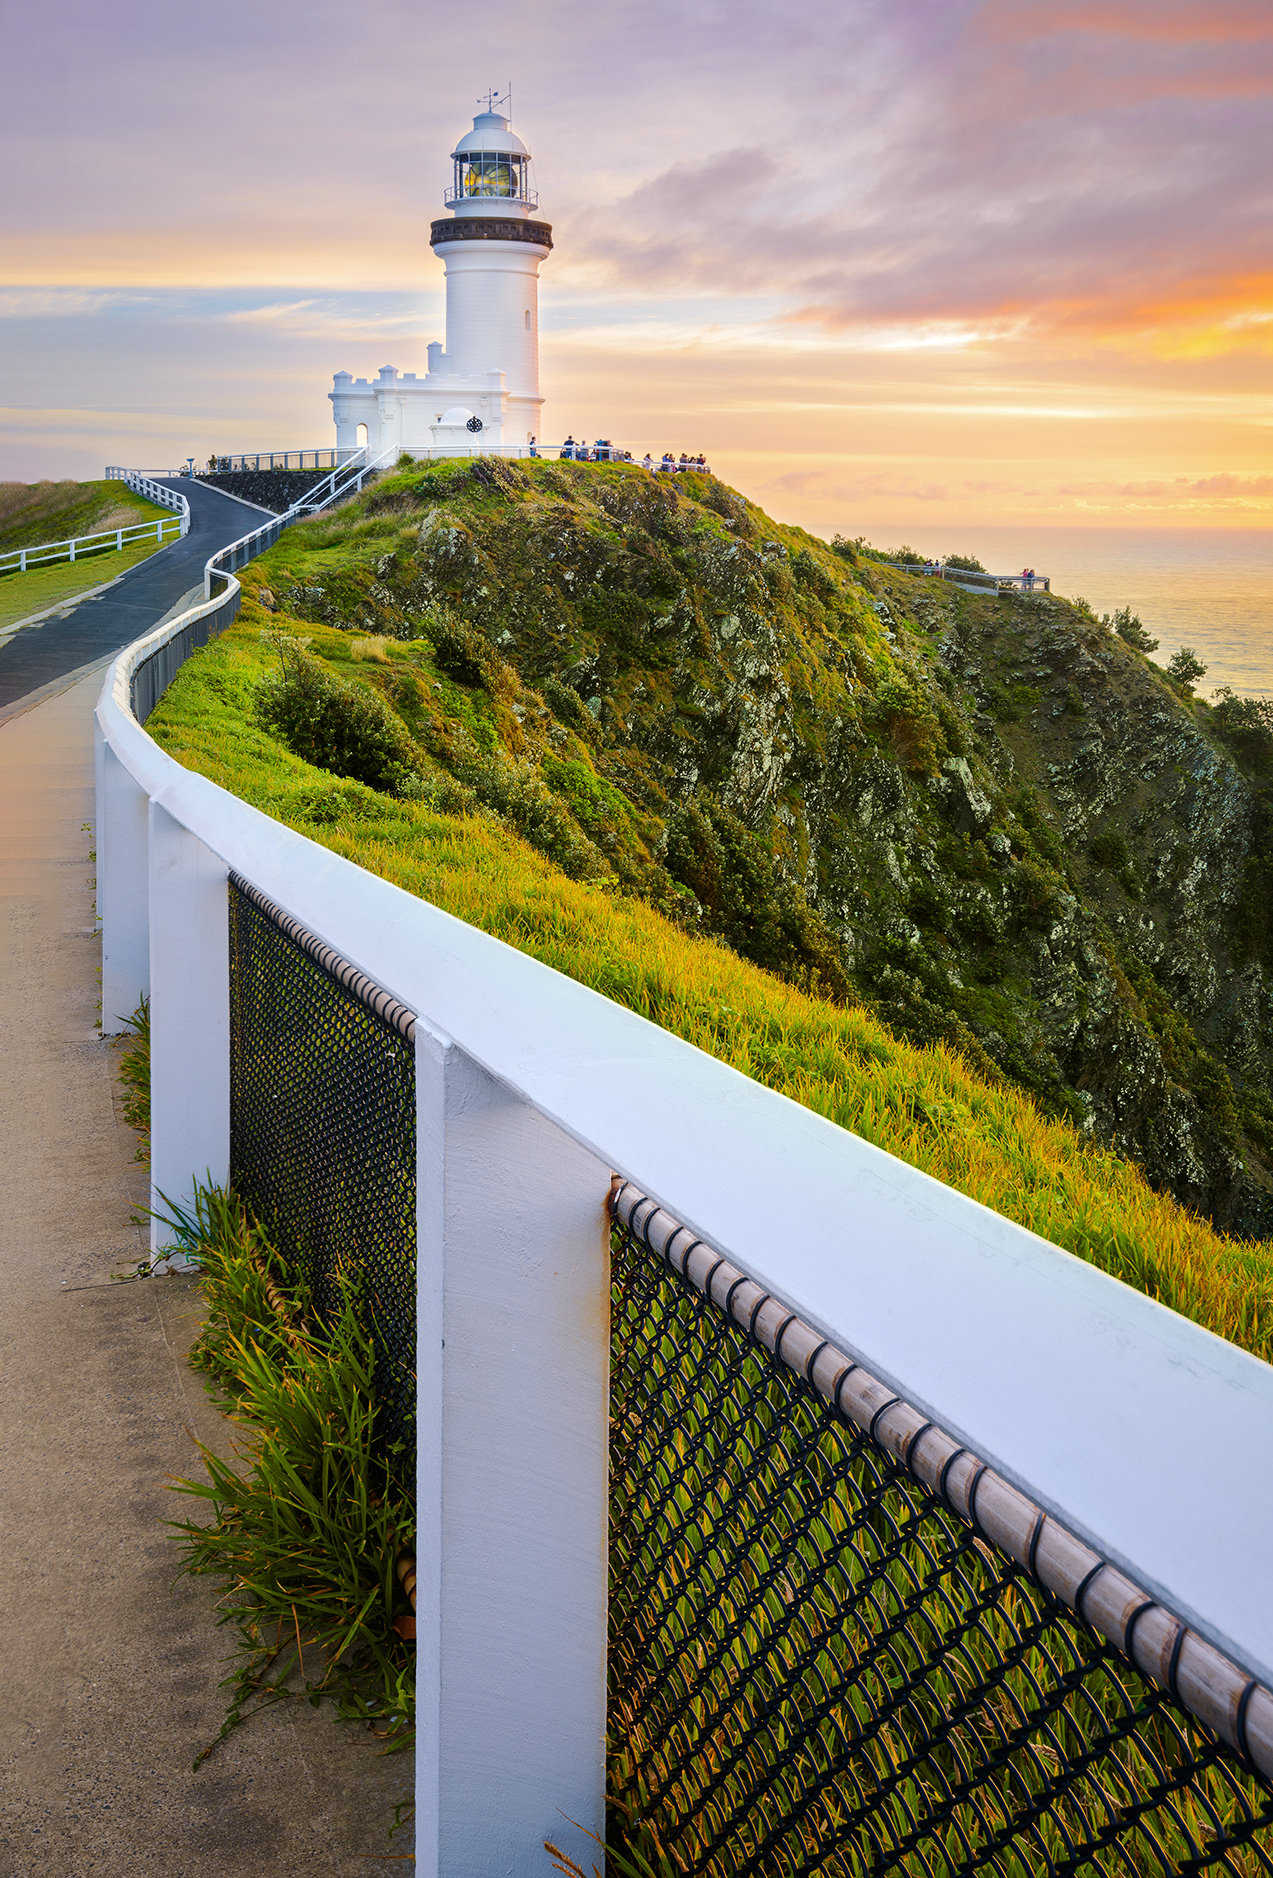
[[1209, 588]]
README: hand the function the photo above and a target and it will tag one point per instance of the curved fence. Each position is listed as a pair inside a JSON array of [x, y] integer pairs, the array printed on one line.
[[841, 1643], [932, 1549]]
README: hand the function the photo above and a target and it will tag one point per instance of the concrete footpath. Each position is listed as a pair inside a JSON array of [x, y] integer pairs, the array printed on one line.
[[111, 1668]]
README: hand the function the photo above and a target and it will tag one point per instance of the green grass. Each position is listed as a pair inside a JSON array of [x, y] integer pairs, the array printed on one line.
[[22, 595], [32, 513], [308, 1520], [923, 1104]]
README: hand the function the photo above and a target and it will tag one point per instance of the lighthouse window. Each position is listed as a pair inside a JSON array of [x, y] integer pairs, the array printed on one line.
[[528, 319], [488, 174]]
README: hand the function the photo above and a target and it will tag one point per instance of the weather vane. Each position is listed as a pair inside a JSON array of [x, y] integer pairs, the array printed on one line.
[[493, 98]]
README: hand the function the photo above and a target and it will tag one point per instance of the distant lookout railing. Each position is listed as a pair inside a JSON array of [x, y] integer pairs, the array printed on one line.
[[932, 1549], [972, 581]]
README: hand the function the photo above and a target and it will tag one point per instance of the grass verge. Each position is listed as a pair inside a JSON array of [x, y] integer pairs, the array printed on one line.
[[308, 1521], [21, 595], [33, 513], [922, 1104]]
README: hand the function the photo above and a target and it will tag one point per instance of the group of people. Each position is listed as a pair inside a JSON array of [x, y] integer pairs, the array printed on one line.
[[602, 451], [672, 466], [1028, 578]]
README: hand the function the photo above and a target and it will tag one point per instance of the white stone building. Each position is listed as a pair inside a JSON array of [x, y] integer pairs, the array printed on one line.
[[482, 390]]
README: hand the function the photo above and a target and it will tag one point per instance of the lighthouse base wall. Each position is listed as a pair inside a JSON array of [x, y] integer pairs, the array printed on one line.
[[431, 415]]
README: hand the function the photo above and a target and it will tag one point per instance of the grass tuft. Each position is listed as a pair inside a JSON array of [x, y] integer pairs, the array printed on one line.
[[307, 1521]]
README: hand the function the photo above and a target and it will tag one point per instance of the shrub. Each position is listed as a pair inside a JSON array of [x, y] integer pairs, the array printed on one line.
[[1129, 628], [1109, 849], [968, 562], [347, 729], [1247, 723], [1186, 667], [913, 728]]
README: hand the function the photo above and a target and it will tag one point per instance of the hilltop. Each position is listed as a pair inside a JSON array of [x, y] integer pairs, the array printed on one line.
[[989, 821], [33, 513]]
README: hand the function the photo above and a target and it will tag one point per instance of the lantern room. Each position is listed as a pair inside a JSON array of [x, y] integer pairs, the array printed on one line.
[[491, 165]]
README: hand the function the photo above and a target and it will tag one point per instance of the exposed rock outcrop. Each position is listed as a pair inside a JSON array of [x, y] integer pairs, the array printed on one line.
[[988, 816]]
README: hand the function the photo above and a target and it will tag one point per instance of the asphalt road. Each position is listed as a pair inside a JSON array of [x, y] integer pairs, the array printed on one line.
[[88, 631]]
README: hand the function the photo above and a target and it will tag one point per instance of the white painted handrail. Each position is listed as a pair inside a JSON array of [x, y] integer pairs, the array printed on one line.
[[20, 560], [1103, 1405], [347, 480], [1138, 1432]]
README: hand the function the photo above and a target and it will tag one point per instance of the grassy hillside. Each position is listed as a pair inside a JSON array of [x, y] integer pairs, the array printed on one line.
[[494, 799], [31, 513], [992, 819]]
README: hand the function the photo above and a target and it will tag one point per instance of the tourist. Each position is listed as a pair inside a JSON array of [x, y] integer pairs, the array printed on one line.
[[567, 450], [534, 448], [647, 461]]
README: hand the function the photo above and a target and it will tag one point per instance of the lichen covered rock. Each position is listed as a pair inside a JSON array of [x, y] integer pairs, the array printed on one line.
[[989, 817]]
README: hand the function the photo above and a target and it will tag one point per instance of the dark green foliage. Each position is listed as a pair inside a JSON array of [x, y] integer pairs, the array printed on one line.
[[968, 562], [1245, 723], [1186, 667], [1129, 628], [1009, 703], [1043, 837], [811, 574], [910, 719], [1034, 892], [1109, 849], [929, 907], [461, 653], [745, 901], [347, 729], [1253, 924]]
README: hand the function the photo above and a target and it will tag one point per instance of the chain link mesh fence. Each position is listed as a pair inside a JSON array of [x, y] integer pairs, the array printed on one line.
[[323, 1133], [817, 1667]]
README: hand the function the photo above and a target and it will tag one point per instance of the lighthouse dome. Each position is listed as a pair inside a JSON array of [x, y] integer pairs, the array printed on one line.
[[490, 132]]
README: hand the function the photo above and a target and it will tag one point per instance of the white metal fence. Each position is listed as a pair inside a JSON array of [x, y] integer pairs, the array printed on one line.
[[1143, 1436], [106, 540], [974, 582]]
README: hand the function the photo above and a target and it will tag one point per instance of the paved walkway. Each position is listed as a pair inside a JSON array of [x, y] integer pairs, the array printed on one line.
[[84, 631], [111, 1669]]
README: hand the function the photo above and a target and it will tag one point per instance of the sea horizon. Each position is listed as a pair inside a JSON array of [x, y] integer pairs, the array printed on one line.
[[1209, 588]]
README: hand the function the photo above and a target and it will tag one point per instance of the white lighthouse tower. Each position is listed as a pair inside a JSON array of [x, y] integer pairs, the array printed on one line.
[[481, 390]]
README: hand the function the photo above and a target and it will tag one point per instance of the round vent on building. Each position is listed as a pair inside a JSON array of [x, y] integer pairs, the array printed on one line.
[[474, 424]]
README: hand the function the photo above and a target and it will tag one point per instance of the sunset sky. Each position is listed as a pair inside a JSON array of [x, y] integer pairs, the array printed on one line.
[[890, 263]]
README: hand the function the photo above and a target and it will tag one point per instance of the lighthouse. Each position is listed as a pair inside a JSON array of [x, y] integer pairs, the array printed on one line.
[[481, 391]]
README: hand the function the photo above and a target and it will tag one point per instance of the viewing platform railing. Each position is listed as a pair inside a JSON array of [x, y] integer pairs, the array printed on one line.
[[932, 1548], [974, 582]]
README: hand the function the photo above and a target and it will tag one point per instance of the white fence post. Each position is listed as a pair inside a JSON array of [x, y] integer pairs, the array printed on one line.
[[189, 1016], [513, 1373], [123, 895]]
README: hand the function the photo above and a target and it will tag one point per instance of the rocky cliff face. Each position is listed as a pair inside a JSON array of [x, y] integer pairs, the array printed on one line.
[[988, 817]]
